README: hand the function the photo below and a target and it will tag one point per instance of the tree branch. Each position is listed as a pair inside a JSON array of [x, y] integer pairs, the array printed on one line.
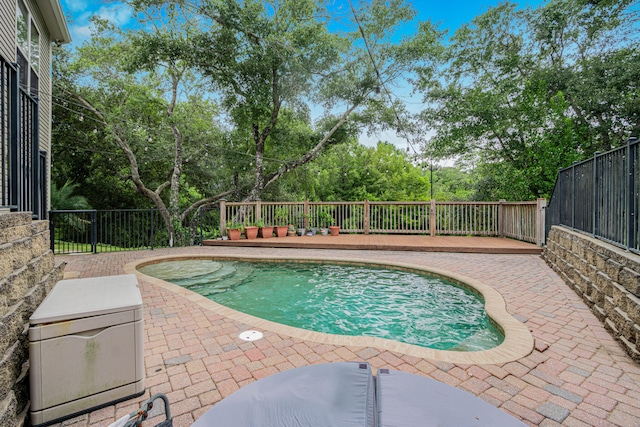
[[126, 149], [203, 202], [314, 152]]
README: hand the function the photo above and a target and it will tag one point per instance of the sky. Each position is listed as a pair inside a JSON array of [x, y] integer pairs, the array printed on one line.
[[449, 15]]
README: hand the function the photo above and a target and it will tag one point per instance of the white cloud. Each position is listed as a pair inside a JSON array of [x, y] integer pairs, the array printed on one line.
[[80, 32], [82, 11], [119, 14], [75, 5]]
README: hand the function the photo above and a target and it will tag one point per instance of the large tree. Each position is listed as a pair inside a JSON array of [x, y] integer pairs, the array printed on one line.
[[157, 119], [274, 64], [523, 92], [354, 172]]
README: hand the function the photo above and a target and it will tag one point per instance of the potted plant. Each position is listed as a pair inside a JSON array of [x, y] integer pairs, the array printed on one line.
[[234, 230], [251, 231], [301, 227], [312, 229], [325, 219], [265, 231], [281, 216]]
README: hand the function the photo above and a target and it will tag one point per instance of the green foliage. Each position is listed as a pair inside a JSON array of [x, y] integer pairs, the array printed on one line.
[[281, 216], [149, 129], [212, 96], [232, 225], [270, 63], [519, 93], [63, 198], [451, 184], [354, 172], [325, 219]]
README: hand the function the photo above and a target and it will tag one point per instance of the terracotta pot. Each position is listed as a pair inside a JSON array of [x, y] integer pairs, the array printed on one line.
[[251, 232], [334, 230], [266, 232], [234, 234], [281, 230]]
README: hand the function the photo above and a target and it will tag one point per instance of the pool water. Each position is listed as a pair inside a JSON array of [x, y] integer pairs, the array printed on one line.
[[342, 299]]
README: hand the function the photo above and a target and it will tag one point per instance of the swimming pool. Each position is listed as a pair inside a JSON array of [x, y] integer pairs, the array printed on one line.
[[353, 300]]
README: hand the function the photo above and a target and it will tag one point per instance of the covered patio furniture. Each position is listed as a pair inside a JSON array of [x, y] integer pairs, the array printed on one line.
[[347, 394]]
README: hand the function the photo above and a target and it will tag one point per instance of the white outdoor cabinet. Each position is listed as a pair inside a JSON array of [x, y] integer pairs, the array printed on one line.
[[86, 347]]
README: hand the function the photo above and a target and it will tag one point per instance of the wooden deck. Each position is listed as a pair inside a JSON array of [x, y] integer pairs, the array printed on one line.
[[461, 244]]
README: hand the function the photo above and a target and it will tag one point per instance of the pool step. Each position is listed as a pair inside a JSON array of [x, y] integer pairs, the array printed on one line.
[[221, 281], [481, 340], [224, 272], [241, 274]]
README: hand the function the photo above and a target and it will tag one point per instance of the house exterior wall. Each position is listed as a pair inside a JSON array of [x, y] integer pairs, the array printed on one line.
[[8, 50], [45, 84], [8, 29]]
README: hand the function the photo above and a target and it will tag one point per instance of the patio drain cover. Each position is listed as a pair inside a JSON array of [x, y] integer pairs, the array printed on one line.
[[250, 335]]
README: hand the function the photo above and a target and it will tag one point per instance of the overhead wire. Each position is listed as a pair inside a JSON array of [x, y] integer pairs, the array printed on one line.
[[89, 114], [207, 146], [400, 128]]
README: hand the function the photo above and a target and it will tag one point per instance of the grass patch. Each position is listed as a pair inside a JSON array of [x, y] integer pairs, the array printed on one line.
[[62, 247]]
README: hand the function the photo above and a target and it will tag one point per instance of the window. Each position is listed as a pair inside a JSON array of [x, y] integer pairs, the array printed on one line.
[[34, 59], [23, 28], [28, 49]]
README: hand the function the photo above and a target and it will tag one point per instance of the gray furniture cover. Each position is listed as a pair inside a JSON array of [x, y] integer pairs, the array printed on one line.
[[327, 395], [408, 400], [343, 394]]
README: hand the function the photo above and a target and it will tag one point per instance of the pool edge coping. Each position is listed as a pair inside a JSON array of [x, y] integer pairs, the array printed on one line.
[[518, 340]]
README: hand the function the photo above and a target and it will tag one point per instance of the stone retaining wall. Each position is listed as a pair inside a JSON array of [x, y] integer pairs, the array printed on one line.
[[27, 274], [605, 276]]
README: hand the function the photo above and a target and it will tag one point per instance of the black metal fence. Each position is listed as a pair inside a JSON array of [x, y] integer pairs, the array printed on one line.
[[93, 231], [22, 182], [600, 196]]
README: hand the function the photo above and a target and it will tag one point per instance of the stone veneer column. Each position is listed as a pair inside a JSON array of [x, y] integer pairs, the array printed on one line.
[[28, 271]]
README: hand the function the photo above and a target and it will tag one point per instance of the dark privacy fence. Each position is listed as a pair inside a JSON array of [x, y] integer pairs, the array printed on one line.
[[600, 196], [23, 168], [92, 231]]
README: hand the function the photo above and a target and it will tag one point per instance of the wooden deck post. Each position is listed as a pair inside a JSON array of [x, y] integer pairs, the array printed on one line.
[[501, 217], [432, 218], [305, 212], [541, 221], [223, 217], [258, 210], [367, 212]]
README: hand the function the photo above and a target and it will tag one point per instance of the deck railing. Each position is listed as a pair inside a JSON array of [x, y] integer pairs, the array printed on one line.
[[600, 196], [130, 229], [92, 231], [518, 220]]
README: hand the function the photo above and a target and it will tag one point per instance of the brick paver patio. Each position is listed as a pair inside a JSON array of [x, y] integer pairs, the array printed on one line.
[[577, 375]]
